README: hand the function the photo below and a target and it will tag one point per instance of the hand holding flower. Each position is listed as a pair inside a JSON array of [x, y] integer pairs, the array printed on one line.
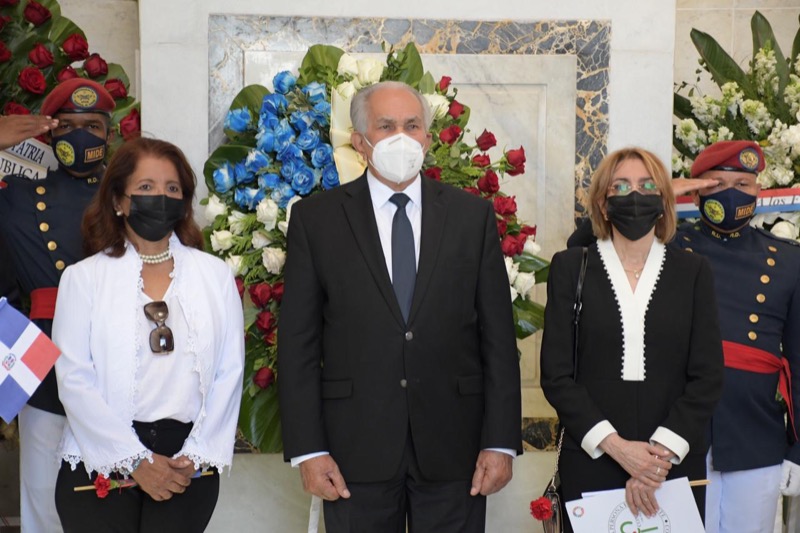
[[163, 477]]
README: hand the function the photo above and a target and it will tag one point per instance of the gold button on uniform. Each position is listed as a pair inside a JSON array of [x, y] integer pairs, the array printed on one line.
[[687, 239], [765, 279], [44, 226], [689, 250], [40, 190], [772, 249], [60, 265], [760, 298], [754, 318], [52, 246], [752, 336], [41, 206], [771, 262]]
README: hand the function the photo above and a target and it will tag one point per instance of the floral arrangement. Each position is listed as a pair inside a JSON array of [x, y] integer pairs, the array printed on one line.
[[294, 142], [39, 49]]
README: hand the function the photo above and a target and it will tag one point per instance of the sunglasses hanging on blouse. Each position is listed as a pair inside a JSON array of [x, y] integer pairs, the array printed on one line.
[[161, 339]]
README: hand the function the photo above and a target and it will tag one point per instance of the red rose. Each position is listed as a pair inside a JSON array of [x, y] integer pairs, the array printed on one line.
[[277, 291], [528, 230], [481, 160], [488, 183], [4, 19], [502, 226], [450, 134], [32, 80], [240, 286], [76, 47], [264, 377], [486, 140], [434, 173], [260, 294], [130, 126], [505, 205], [101, 486], [40, 56], [456, 109], [13, 108], [66, 73], [117, 88], [472, 190], [444, 83], [271, 338], [516, 158], [95, 66], [512, 245], [36, 13], [264, 321], [5, 53], [542, 509], [8, 3]]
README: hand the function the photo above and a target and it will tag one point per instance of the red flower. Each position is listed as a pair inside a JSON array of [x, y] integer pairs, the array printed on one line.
[[264, 377], [102, 486], [240, 286], [542, 509], [505, 205], [260, 294], [502, 226], [486, 140], [4, 19], [5, 53], [528, 230], [4, 3], [481, 160], [32, 80], [434, 173], [76, 47], [265, 321], [130, 126], [472, 190], [444, 83], [450, 134], [13, 108], [456, 109], [516, 158], [36, 13], [117, 88], [271, 338], [66, 73], [277, 291], [512, 245], [95, 66], [40, 56], [489, 183]]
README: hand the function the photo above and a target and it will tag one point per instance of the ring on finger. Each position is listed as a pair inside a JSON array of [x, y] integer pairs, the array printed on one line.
[[658, 470]]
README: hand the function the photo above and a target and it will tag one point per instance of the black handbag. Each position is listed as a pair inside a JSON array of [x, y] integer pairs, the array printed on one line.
[[555, 524]]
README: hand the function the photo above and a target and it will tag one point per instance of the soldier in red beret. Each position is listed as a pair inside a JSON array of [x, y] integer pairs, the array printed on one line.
[[40, 225]]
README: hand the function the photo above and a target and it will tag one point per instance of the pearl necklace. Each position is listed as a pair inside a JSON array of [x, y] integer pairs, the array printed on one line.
[[156, 259]]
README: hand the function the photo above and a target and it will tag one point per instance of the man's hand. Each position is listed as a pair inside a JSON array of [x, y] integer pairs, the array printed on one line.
[[16, 128], [682, 186], [321, 477], [492, 472], [163, 477], [790, 479]]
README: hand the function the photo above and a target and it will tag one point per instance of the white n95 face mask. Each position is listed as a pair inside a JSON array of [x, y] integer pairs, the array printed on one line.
[[397, 158]]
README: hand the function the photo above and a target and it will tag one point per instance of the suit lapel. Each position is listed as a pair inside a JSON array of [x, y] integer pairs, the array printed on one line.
[[361, 217], [434, 213]]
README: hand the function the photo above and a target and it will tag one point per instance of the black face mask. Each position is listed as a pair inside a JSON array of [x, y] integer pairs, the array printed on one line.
[[153, 217], [79, 150], [635, 214], [728, 210]]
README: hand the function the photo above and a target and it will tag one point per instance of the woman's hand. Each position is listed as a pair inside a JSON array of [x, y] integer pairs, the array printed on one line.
[[639, 459], [640, 498], [163, 477]]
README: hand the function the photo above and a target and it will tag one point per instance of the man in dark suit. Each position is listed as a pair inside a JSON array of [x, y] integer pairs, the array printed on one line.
[[400, 386]]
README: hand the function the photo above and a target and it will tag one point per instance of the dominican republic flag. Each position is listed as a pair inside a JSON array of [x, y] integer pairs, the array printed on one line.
[[26, 356]]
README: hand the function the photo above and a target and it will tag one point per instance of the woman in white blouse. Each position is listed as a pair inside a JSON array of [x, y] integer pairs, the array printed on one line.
[[650, 356], [150, 329]]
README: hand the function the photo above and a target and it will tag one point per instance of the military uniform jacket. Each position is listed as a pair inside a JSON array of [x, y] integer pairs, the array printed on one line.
[[40, 221]]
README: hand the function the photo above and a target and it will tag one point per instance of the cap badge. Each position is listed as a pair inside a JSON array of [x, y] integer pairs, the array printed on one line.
[[714, 211], [65, 153], [749, 158], [84, 97]]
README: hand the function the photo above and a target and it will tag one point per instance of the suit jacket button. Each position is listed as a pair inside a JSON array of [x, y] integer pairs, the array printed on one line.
[[403, 383], [409, 335]]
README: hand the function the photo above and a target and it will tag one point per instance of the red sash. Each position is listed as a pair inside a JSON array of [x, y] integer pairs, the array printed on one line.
[[751, 359], [43, 303]]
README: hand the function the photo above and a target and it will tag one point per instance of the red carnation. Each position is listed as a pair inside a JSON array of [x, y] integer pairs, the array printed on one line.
[[516, 158], [502, 226], [481, 160], [36, 13], [450, 134], [542, 509], [102, 486], [76, 47], [505, 205], [130, 126], [240, 286], [95, 66], [265, 320], [5, 53], [512, 245], [488, 183], [486, 140], [456, 109], [444, 83], [264, 377], [277, 291], [260, 294], [66, 73], [32, 80], [528, 230], [41, 56], [116, 88], [434, 173], [13, 108]]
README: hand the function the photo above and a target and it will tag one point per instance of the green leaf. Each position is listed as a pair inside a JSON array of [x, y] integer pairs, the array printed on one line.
[[796, 45], [319, 63], [763, 37], [528, 317], [411, 65], [232, 153], [542, 275], [63, 28], [721, 66], [259, 417], [427, 85], [530, 263], [681, 107]]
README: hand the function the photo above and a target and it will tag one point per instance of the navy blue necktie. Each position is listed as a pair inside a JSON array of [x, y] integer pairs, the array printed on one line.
[[404, 261]]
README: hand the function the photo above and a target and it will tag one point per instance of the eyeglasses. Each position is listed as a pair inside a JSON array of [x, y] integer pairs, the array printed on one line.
[[623, 188], [161, 339]]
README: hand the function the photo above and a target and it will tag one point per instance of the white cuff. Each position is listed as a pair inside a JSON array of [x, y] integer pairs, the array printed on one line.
[[299, 459], [674, 442], [591, 441], [507, 451]]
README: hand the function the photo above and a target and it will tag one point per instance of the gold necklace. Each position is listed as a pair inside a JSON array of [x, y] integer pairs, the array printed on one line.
[[636, 273]]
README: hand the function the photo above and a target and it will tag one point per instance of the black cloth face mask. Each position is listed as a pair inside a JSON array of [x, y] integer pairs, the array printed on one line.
[[634, 214], [152, 217], [79, 150]]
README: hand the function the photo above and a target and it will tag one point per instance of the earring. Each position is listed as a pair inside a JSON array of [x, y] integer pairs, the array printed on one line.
[[118, 212]]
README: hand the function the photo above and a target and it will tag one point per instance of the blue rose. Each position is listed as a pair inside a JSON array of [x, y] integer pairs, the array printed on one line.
[[290, 151], [308, 140], [248, 198], [256, 161], [241, 174], [303, 179], [322, 155], [330, 177], [284, 82], [282, 194], [265, 140], [288, 167], [238, 120], [268, 181], [223, 178], [267, 121], [301, 120], [322, 113], [315, 92], [284, 135], [275, 104]]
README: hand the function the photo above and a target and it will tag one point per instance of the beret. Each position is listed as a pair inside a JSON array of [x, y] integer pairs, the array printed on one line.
[[734, 156], [78, 95]]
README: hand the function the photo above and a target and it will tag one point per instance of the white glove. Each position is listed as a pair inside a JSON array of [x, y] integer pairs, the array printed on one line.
[[790, 479]]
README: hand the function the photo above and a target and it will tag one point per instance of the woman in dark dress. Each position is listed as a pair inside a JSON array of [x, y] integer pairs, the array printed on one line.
[[650, 360]]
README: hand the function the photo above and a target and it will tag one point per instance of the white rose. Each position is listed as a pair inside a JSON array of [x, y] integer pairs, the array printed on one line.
[[293, 200], [215, 207], [221, 240], [267, 213], [273, 259], [438, 104], [346, 90], [513, 293], [524, 284], [260, 239], [511, 269], [235, 263], [531, 247], [236, 221], [369, 71], [347, 65], [785, 229], [283, 226]]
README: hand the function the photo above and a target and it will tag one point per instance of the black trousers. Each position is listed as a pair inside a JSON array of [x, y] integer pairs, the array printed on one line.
[[429, 507], [132, 510]]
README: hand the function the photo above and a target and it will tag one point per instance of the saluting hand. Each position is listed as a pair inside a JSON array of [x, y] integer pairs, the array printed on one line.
[[16, 128], [321, 477]]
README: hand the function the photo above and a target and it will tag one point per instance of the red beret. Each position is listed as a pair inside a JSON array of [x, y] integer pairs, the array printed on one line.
[[78, 95], [735, 156]]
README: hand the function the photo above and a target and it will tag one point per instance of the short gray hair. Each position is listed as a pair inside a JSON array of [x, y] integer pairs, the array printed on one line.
[[358, 106]]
